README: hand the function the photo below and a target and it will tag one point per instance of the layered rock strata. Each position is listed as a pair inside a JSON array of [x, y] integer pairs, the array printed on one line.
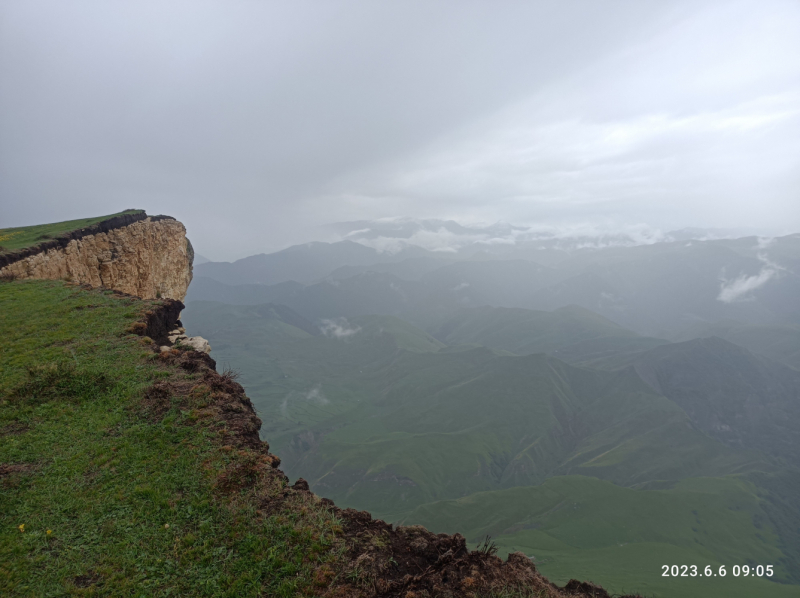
[[149, 257]]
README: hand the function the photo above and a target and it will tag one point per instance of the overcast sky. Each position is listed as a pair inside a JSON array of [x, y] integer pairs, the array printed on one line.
[[256, 122]]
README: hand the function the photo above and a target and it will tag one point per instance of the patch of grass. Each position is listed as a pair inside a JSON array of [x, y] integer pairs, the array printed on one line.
[[60, 380], [102, 500], [487, 547], [12, 239]]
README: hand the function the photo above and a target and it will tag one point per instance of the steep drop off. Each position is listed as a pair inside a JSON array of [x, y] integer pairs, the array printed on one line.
[[141, 255]]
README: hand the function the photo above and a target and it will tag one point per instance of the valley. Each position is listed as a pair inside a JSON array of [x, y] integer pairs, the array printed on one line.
[[495, 396]]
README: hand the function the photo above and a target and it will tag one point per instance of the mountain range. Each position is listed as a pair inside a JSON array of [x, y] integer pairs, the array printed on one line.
[[625, 404]]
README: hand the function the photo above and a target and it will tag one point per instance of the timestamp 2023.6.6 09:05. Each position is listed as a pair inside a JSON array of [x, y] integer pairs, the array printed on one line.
[[721, 571]]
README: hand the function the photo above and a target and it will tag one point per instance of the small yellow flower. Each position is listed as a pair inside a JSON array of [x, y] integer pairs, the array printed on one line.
[[166, 526], [22, 527], [49, 532]]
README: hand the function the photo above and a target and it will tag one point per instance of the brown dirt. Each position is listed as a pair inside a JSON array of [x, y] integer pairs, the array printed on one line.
[[85, 581], [12, 474], [412, 562], [7, 469], [14, 429]]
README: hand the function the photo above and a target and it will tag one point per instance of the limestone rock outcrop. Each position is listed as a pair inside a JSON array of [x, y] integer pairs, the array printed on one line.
[[178, 337], [150, 258]]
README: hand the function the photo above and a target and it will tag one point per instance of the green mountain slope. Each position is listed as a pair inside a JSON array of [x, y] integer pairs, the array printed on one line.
[[383, 418], [730, 393], [448, 424], [571, 333], [621, 537], [781, 343]]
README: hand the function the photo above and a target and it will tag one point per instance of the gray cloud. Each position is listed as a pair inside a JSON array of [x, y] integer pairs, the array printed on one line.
[[338, 328], [743, 286], [740, 288], [392, 235], [314, 395], [255, 123]]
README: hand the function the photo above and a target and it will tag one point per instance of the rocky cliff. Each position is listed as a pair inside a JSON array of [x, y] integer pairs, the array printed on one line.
[[145, 256]]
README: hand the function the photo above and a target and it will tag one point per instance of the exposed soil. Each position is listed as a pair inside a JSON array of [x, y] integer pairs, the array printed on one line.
[[380, 560], [7, 469], [12, 474], [160, 321], [14, 429], [84, 581]]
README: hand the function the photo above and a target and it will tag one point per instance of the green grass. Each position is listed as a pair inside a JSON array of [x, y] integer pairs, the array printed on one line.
[[580, 527], [12, 239], [109, 498]]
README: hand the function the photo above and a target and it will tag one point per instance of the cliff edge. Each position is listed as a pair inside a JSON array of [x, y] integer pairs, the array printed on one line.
[[128, 464], [375, 559], [146, 256]]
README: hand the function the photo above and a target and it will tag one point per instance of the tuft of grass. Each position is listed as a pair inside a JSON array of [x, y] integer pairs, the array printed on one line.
[[60, 380], [487, 547], [230, 373]]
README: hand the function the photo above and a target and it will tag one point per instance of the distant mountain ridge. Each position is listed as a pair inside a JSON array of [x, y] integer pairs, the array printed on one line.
[[659, 289], [305, 263], [570, 401], [729, 393]]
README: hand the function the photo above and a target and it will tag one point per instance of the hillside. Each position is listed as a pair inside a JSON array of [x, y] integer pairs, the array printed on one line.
[[729, 393], [126, 469], [305, 263], [617, 534], [778, 342], [571, 333], [452, 437]]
